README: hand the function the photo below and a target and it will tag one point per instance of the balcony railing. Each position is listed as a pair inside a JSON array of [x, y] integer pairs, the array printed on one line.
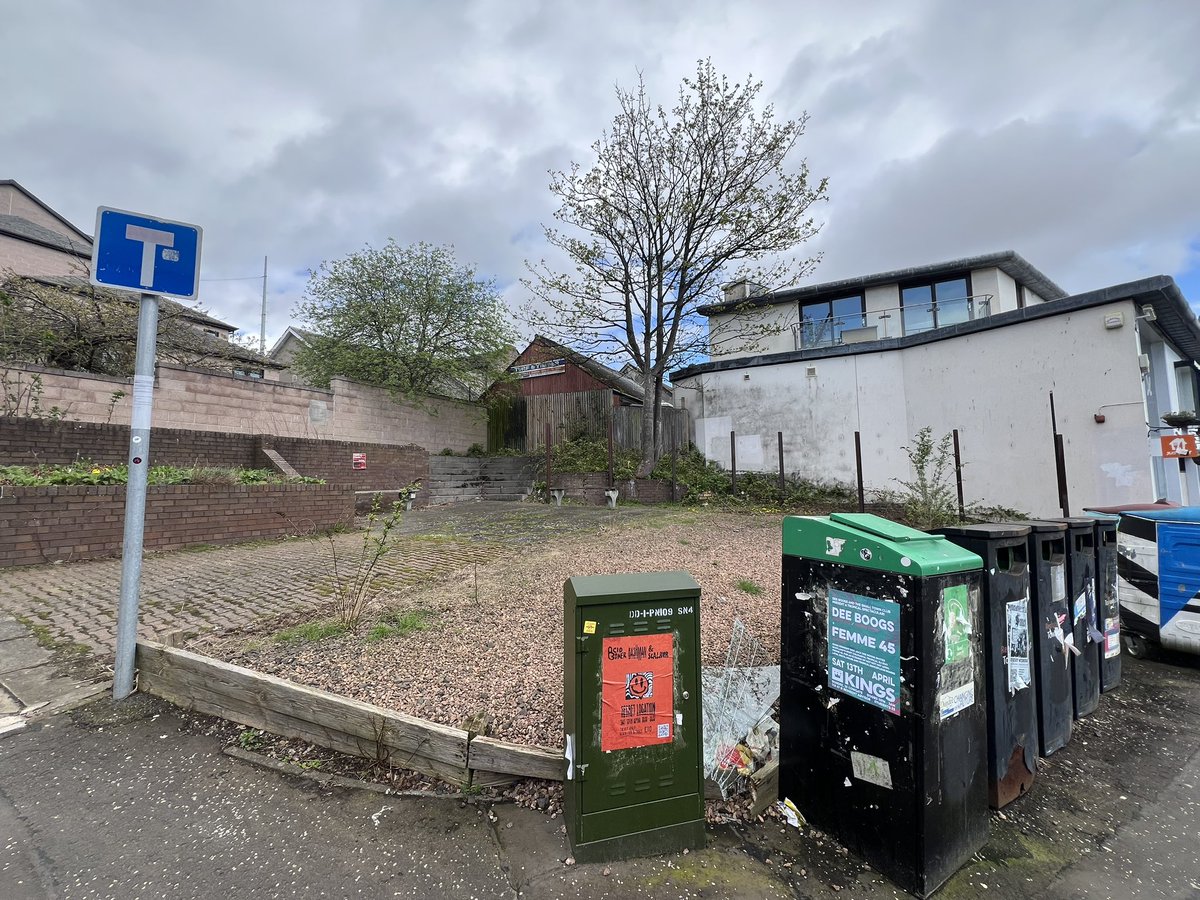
[[892, 321]]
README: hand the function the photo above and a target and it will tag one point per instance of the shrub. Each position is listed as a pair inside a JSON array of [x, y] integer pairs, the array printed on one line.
[[929, 499], [87, 472]]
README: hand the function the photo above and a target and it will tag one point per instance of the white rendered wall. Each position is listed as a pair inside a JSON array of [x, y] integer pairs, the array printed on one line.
[[993, 386]]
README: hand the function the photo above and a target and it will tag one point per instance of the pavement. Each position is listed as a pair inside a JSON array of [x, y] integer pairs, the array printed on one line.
[[138, 800]]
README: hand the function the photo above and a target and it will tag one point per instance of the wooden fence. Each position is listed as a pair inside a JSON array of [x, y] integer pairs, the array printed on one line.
[[291, 710], [520, 424]]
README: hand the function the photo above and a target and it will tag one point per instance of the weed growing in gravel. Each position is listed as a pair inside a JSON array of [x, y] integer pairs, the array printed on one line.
[[310, 632], [746, 586], [355, 585], [399, 623], [250, 739]]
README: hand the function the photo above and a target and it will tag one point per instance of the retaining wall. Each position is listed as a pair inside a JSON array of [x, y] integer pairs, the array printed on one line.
[[48, 524]]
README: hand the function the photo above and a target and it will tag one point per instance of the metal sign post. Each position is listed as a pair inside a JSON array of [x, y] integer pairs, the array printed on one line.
[[133, 252], [135, 497]]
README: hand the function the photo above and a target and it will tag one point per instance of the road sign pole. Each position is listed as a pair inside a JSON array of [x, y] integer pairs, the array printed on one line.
[[135, 496]]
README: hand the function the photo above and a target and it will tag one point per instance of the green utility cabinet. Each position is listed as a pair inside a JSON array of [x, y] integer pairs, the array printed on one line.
[[631, 706]]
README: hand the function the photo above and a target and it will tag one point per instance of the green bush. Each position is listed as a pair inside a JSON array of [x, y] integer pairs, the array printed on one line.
[[87, 472]]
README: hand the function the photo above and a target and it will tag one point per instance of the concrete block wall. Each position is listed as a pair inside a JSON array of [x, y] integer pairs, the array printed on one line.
[[454, 479], [46, 524], [208, 401]]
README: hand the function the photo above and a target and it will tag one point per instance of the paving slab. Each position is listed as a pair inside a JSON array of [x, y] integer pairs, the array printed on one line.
[[18, 653], [11, 628]]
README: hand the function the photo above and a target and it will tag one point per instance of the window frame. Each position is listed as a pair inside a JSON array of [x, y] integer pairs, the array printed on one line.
[[834, 337], [931, 284], [1187, 364]]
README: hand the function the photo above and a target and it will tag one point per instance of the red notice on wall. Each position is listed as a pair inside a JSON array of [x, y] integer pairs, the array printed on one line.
[[1175, 446], [637, 676], [358, 461]]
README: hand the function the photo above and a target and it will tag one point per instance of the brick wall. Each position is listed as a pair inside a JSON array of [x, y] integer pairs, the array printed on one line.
[[389, 467], [41, 525], [25, 442], [207, 401]]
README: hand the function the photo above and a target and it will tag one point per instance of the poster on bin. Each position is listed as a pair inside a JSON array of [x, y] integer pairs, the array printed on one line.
[[864, 649], [637, 675]]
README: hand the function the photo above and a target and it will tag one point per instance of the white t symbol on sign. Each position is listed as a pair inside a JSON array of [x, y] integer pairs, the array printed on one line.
[[150, 239]]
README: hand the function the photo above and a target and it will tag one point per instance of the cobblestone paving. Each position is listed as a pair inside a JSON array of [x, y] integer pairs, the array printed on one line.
[[223, 587]]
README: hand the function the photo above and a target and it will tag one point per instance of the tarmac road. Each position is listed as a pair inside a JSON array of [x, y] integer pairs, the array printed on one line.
[[132, 801]]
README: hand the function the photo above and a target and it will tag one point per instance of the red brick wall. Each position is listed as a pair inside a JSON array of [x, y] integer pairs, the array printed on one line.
[[26, 442], [45, 524], [389, 467]]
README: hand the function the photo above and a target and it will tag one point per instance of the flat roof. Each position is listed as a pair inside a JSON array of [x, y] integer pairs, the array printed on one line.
[[1008, 261], [1174, 318]]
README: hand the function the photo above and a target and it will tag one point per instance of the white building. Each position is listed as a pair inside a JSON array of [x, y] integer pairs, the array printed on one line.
[[975, 344]]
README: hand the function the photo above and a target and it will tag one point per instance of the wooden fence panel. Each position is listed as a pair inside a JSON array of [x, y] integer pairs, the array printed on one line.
[[582, 413], [627, 428]]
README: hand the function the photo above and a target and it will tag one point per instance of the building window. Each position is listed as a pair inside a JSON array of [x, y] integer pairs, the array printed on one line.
[[249, 373], [1185, 387], [935, 304], [823, 321]]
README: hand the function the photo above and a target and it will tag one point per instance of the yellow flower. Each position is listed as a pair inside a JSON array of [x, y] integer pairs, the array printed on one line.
[[95, 471]]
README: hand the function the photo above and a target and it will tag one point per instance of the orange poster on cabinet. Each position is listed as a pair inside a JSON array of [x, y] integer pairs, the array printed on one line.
[[637, 676]]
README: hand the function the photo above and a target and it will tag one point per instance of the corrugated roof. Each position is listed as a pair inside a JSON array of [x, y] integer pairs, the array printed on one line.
[[597, 370]]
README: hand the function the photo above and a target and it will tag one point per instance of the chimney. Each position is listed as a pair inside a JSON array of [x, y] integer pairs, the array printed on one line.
[[738, 291]]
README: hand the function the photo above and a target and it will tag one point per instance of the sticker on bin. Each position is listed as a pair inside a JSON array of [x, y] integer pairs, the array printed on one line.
[[864, 650], [871, 768], [952, 702], [1017, 660]]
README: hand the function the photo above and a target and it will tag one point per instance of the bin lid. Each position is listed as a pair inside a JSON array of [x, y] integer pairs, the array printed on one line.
[[1044, 525], [1077, 522], [632, 587], [868, 541], [986, 531]]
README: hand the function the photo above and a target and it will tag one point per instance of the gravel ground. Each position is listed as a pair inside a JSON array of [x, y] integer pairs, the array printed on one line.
[[496, 649]]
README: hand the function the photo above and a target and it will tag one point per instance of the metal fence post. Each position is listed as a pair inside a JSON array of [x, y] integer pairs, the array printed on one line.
[[862, 504], [962, 512], [733, 461], [782, 477]]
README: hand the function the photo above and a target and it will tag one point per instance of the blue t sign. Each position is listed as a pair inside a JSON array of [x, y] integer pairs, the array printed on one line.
[[153, 256]]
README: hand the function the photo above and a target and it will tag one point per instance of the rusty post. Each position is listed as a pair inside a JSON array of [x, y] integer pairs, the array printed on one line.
[[674, 466], [1060, 461], [733, 462], [548, 462], [962, 512], [782, 477], [862, 500], [611, 470]]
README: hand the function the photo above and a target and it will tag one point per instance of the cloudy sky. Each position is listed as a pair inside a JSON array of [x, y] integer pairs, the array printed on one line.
[[301, 131]]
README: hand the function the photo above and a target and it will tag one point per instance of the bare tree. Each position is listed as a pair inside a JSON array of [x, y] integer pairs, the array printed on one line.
[[68, 323], [677, 203]]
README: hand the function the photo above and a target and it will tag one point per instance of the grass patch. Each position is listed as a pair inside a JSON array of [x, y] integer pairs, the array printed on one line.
[[310, 632], [746, 586], [399, 623]]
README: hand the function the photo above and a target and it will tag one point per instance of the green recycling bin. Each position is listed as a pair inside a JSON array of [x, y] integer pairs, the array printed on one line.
[[883, 726], [631, 703]]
